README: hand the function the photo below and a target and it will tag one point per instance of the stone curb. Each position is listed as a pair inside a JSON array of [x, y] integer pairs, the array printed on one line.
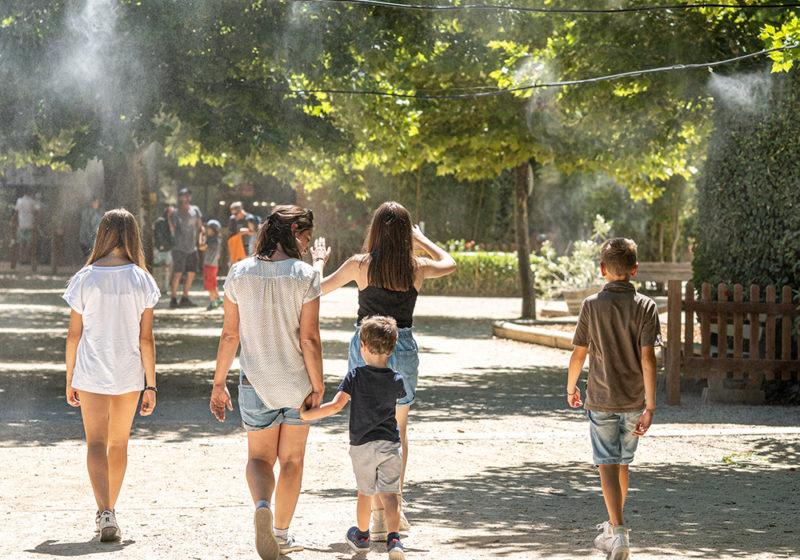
[[534, 335]]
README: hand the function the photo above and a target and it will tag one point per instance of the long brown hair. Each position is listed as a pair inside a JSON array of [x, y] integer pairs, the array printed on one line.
[[278, 229], [390, 248], [118, 228]]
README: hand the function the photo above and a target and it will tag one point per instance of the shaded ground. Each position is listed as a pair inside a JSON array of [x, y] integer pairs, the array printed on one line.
[[499, 468]]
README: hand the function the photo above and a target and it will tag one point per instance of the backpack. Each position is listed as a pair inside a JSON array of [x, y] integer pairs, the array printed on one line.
[[162, 236]]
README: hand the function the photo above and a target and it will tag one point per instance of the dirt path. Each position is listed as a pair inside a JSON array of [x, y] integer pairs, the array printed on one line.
[[498, 467]]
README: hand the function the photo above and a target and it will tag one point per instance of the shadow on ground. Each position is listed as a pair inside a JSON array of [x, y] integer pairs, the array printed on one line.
[[550, 509]]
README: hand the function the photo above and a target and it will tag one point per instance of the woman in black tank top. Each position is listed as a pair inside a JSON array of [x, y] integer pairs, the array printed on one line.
[[389, 276]]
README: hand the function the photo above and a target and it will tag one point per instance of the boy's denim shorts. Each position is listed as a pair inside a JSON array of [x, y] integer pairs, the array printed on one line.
[[256, 416], [404, 360], [613, 442]]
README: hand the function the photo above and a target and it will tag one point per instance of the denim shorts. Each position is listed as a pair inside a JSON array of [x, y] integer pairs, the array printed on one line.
[[404, 360], [256, 416], [613, 442]]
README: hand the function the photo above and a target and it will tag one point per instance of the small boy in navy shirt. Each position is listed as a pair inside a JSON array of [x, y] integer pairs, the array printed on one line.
[[374, 437]]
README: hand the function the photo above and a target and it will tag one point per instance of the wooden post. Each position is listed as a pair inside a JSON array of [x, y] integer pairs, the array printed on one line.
[[673, 365], [722, 323], [755, 297], [688, 320], [705, 323], [786, 332], [738, 329]]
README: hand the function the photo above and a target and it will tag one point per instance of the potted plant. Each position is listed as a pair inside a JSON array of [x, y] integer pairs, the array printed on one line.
[[576, 275]]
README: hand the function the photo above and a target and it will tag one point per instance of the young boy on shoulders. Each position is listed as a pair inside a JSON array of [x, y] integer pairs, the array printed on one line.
[[619, 330], [374, 437]]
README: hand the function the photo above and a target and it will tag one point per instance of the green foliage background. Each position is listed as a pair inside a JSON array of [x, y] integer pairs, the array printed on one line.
[[749, 193]]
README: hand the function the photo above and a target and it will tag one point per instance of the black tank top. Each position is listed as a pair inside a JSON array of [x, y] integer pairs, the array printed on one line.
[[389, 303]]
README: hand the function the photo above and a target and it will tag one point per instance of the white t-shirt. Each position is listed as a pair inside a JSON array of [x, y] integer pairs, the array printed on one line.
[[270, 296], [25, 208], [111, 300]]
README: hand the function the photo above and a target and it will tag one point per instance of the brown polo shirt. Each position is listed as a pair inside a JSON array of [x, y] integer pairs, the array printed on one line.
[[614, 325]]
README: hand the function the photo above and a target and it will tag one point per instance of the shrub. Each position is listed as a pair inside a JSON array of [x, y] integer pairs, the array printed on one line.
[[478, 274], [749, 193]]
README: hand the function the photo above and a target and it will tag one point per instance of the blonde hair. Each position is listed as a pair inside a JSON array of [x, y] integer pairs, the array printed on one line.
[[118, 228]]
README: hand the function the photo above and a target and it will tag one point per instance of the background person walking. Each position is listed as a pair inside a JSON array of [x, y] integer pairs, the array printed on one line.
[[389, 276], [187, 221], [272, 308], [110, 354]]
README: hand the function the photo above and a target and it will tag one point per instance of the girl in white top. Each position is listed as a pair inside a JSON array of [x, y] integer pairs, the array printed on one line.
[[111, 354], [272, 309]]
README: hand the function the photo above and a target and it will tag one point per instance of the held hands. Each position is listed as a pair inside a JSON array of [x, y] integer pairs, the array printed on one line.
[[313, 400], [574, 398], [148, 403], [220, 399], [645, 420], [320, 251]]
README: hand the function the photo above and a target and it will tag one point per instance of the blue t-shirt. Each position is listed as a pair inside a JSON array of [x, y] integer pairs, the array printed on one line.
[[373, 395]]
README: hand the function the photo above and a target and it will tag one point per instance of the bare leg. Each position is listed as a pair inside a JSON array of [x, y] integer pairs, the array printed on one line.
[[262, 452], [176, 280], [401, 415], [612, 492], [94, 410], [391, 503], [188, 284], [291, 454], [123, 409], [363, 512], [623, 482], [107, 422]]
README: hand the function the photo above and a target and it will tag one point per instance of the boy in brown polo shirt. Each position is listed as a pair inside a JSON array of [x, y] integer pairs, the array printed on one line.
[[619, 329]]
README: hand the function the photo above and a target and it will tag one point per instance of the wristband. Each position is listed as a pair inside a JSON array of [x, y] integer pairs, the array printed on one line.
[[148, 388], [572, 393]]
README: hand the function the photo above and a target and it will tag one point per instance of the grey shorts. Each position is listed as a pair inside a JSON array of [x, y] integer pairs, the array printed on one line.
[[378, 466], [184, 262]]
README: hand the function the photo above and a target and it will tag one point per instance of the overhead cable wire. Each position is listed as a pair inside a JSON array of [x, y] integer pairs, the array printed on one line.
[[505, 91], [441, 7]]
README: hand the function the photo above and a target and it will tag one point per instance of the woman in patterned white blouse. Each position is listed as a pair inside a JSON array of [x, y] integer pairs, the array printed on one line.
[[272, 309]]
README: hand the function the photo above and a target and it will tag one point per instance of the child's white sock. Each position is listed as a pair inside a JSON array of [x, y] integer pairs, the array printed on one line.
[[281, 533]]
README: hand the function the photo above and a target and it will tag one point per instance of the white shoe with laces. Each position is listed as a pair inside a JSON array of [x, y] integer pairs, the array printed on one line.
[[620, 546], [109, 530], [604, 540], [289, 544]]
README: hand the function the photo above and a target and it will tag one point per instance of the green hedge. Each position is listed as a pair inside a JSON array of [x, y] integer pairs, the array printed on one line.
[[478, 274], [749, 192]]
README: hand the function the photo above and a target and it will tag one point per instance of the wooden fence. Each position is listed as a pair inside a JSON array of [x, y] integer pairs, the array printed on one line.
[[740, 327]]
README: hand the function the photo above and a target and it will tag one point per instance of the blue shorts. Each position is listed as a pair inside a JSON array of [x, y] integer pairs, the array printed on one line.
[[613, 442], [404, 360], [256, 416]]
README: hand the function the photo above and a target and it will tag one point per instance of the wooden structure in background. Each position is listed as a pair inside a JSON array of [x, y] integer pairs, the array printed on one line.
[[740, 327]]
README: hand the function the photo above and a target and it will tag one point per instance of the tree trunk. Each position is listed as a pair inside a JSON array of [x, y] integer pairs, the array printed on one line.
[[125, 186], [419, 195], [521, 183]]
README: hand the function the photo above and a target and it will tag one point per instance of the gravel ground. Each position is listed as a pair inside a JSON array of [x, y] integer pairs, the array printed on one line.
[[499, 467]]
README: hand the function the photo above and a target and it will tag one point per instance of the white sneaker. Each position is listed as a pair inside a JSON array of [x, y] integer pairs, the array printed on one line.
[[289, 544], [604, 540], [266, 543], [97, 521], [109, 530], [620, 546]]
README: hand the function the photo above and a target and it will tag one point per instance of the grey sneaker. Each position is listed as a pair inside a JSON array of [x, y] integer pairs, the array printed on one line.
[[266, 543], [289, 544], [109, 530], [620, 546], [604, 540]]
